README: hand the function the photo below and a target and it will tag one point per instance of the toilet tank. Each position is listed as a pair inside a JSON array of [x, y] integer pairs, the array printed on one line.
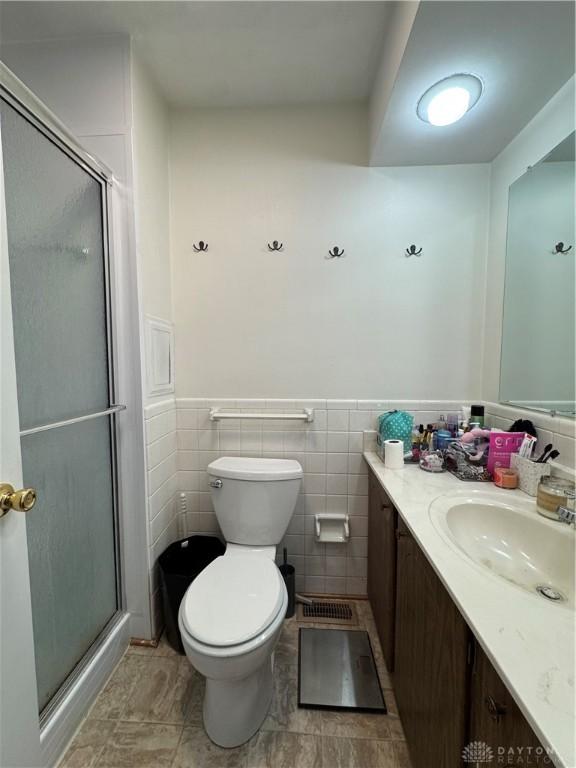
[[254, 499]]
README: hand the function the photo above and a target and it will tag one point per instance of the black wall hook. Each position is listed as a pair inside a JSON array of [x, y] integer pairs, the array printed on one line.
[[411, 251], [336, 253], [202, 246], [276, 246], [559, 248]]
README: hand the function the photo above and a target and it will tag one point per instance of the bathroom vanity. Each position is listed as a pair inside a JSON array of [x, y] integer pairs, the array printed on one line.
[[474, 658]]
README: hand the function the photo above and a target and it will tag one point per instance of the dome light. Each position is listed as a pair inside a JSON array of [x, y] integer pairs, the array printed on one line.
[[448, 100]]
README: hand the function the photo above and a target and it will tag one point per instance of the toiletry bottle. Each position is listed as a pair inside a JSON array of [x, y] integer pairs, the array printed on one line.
[[477, 414], [431, 438]]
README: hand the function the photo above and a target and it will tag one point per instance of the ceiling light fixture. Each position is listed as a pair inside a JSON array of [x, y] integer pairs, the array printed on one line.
[[448, 100]]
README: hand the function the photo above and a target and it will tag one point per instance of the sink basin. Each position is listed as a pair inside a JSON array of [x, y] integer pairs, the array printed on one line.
[[510, 541]]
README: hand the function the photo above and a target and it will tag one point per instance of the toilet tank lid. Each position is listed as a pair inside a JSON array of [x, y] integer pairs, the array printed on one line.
[[260, 470]]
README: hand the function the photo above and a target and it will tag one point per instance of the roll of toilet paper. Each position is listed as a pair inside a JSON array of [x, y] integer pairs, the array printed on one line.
[[394, 454]]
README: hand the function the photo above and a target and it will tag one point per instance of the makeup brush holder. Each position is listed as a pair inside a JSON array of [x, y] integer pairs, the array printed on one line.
[[529, 473]]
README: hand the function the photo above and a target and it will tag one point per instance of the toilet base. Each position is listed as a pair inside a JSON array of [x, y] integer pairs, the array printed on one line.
[[235, 709]]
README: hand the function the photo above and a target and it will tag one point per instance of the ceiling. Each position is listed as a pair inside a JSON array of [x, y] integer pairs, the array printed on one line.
[[248, 54], [227, 54], [523, 51]]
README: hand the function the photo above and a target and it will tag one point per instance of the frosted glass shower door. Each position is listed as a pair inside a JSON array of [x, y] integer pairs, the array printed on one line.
[[56, 228]]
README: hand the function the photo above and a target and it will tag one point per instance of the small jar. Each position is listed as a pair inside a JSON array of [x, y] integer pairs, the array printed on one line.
[[432, 461], [553, 492]]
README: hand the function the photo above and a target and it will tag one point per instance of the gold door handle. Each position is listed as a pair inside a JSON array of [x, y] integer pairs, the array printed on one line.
[[22, 500]]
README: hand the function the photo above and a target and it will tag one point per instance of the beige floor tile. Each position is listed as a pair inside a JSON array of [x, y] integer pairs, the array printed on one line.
[[286, 651], [88, 744], [197, 751], [402, 754], [396, 729], [272, 749], [168, 690], [141, 745], [111, 703], [358, 753], [155, 697], [284, 713], [165, 649], [364, 612], [140, 650], [355, 725]]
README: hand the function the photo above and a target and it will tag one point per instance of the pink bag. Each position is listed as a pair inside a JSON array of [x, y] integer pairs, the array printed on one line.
[[502, 446]]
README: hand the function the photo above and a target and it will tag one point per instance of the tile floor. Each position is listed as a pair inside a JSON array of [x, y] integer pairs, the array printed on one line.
[[149, 715]]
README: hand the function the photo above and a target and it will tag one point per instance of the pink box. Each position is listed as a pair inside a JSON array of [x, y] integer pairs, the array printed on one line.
[[502, 446]]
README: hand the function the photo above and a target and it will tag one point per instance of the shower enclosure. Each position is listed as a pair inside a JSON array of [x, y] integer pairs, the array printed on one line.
[[56, 226]]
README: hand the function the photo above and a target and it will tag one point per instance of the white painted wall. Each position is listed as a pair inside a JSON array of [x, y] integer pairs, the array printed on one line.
[[150, 133], [373, 324], [550, 126]]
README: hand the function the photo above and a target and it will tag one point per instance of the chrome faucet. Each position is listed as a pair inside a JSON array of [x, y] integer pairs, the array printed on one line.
[[566, 515]]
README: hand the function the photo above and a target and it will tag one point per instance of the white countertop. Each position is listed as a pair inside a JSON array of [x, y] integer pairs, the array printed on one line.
[[531, 644]]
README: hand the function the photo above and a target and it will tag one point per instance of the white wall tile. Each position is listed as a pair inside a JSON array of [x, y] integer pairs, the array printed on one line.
[[358, 485], [158, 426], [340, 405], [337, 442], [294, 441], [356, 464], [187, 439], [358, 505], [314, 484], [337, 463], [337, 504], [329, 450], [334, 585], [356, 586], [160, 473], [315, 462], [316, 442], [338, 421], [360, 420], [160, 449], [355, 442], [335, 566], [337, 484], [315, 584], [187, 418]]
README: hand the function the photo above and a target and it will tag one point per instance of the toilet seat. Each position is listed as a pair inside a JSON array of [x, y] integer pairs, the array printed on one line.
[[232, 601]]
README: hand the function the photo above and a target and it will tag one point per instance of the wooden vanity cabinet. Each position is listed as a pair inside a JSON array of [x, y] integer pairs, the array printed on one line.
[[382, 566], [448, 692], [431, 661], [496, 719]]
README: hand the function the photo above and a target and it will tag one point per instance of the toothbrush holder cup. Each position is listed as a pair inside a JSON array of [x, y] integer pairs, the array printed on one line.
[[529, 473]]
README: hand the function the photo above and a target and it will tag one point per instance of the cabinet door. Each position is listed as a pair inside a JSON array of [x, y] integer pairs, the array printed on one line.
[[496, 720], [431, 669], [382, 566]]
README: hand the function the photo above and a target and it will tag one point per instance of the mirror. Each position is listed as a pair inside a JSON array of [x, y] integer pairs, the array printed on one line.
[[538, 334]]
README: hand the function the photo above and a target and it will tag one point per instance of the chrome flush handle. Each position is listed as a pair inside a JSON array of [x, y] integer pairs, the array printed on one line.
[[215, 483]]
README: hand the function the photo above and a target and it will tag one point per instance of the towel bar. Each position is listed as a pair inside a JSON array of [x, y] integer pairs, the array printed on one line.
[[306, 415]]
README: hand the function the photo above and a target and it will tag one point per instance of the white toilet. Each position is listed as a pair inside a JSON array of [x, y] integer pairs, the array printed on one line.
[[231, 616]]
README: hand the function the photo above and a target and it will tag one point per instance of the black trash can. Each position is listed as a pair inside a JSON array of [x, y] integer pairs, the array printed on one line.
[[289, 575], [179, 565]]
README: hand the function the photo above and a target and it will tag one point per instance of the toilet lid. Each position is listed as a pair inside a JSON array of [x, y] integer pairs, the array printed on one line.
[[232, 600]]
